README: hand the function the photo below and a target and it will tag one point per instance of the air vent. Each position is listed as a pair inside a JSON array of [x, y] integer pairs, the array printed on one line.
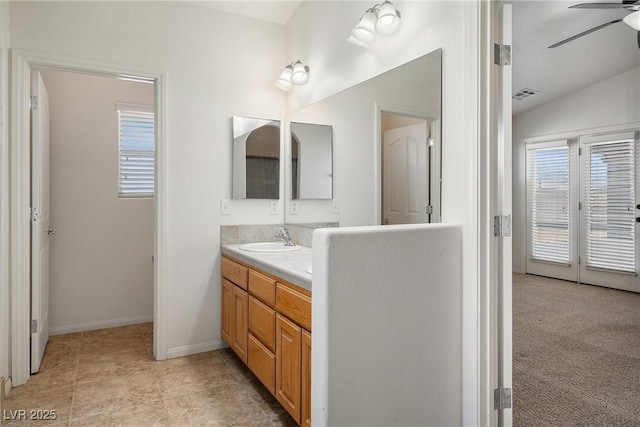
[[524, 93]]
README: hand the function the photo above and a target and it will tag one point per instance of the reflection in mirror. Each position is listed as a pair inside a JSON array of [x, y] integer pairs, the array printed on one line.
[[311, 161], [408, 95], [256, 158]]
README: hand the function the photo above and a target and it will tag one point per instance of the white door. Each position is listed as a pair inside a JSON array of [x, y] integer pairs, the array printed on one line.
[[552, 206], [405, 171], [609, 195], [504, 209], [40, 231]]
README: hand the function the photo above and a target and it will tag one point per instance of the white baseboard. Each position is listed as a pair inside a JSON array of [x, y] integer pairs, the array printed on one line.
[[60, 330], [188, 350]]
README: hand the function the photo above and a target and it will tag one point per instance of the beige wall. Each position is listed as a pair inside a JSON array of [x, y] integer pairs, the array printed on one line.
[[101, 267], [217, 65]]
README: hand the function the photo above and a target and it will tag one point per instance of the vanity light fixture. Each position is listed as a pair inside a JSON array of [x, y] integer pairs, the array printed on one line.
[[633, 20], [383, 19], [295, 73]]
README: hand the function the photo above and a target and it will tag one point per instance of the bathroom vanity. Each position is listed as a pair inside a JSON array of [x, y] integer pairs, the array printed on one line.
[[266, 320]]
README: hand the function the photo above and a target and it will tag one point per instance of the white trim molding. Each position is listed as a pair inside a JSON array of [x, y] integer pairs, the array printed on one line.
[[91, 326], [188, 350], [22, 63]]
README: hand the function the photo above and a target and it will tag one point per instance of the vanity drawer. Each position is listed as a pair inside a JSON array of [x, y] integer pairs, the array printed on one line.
[[293, 304], [262, 322], [262, 363], [262, 287], [234, 272]]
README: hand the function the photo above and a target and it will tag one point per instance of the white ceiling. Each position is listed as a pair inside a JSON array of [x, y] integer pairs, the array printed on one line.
[[277, 12], [578, 64]]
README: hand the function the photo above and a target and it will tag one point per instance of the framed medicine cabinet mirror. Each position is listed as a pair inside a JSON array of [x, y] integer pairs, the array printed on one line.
[[256, 158]]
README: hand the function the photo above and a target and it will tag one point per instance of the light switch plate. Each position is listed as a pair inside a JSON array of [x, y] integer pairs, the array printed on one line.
[[225, 208], [335, 207], [273, 208], [293, 207]]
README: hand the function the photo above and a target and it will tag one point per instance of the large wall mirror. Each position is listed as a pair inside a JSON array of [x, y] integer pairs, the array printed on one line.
[[311, 161], [256, 158], [386, 149]]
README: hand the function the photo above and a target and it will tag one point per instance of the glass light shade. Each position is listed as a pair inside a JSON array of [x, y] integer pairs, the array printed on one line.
[[355, 41], [364, 32], [284, 81], [300, 74], [389, 21], [633, 20]]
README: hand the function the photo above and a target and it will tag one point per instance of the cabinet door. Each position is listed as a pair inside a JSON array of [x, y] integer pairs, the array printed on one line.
[[288, 355], [306, 379], [240, 330], [262, 363], [227, 308]]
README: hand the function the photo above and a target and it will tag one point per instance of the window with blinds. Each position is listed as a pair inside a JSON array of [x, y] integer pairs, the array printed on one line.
[[548, 197], [136, 160], [609, 182]]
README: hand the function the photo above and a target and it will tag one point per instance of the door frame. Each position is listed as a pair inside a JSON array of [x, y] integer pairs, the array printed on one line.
[[20, 276]]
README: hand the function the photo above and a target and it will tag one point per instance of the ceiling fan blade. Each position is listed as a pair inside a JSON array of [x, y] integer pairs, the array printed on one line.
[[584, 33], [600, 5]]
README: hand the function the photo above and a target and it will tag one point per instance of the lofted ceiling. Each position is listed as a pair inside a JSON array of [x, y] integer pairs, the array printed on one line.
[[573, 66]]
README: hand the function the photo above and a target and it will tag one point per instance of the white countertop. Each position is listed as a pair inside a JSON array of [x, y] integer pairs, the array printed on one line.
[[290, 266]]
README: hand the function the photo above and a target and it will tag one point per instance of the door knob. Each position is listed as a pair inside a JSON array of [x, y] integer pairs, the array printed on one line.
[[638, 206], [51, 231]]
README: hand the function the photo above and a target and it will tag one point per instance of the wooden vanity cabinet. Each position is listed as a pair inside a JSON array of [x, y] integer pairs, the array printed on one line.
[[305, 404], [235, 303], [267, 325]]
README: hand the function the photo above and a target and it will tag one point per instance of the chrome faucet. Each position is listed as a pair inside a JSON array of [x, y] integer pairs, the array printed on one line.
[[283, 234]]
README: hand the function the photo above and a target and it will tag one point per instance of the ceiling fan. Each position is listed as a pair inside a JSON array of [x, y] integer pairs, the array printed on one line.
[[632, 20]]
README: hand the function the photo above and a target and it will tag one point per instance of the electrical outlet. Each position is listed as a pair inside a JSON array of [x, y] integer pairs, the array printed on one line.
[[335, 207], [225, 208], [273, 208], [293, 207]]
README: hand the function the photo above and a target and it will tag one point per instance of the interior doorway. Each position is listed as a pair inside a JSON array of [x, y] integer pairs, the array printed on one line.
[[99, 271], [23, 63]]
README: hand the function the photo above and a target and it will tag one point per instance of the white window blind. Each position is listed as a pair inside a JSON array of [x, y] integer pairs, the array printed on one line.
[[609, 181], [548, 198], [136, 163]]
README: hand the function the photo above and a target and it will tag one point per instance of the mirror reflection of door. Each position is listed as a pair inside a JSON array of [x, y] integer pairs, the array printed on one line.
[[406, 158]]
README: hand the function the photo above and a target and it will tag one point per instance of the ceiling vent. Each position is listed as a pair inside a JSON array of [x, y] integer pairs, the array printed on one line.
[[524, 93]]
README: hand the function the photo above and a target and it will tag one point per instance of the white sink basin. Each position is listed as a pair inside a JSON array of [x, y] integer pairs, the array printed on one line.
[[268, 247]]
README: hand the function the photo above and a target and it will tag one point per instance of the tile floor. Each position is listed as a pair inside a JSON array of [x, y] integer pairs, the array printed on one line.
[[108, 377]]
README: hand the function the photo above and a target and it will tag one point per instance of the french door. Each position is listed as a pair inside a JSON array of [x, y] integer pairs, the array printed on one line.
[[583, 201]]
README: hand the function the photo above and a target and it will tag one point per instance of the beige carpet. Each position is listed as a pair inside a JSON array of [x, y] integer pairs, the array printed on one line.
[[576, 354]]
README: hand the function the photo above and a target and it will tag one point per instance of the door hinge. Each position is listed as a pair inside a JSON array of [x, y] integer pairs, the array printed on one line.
[[34, 214], [502, 225], [34, 326], [580, 151], [33, 102], [579, 206], [502, 398], [502, 54], [579, 260], [429, 210]]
